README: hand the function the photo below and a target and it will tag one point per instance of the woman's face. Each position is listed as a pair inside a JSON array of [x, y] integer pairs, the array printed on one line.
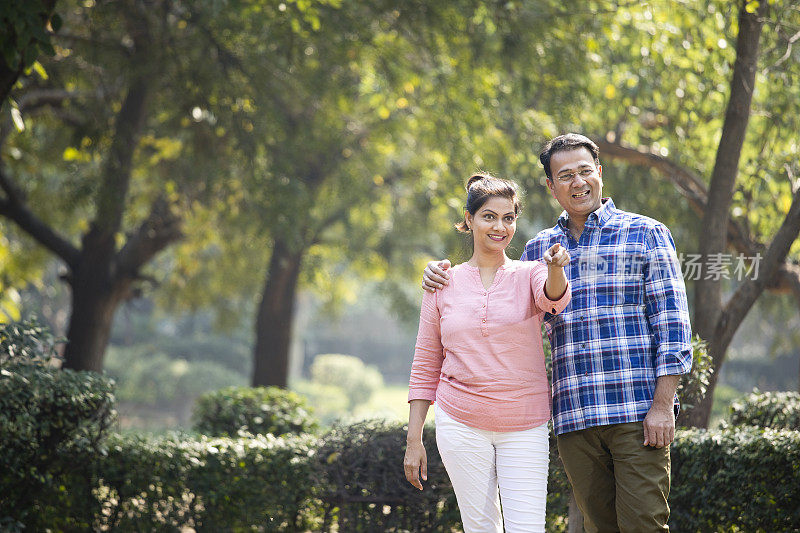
[[493, 225]]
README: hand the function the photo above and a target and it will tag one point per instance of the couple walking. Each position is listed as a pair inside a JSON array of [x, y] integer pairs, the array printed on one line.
[[608, 286]]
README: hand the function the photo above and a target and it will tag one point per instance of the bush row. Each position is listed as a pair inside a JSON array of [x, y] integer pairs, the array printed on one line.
[[350, 479], [60, 471], [778, 410], [740, 479]]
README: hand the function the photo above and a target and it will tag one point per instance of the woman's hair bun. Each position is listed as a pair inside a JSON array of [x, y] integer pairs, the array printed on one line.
[[477, 177]]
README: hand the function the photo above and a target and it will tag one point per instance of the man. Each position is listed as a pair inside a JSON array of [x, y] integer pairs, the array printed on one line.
[[618, 349]]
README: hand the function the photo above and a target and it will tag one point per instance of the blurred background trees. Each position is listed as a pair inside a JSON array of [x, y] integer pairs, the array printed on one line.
[[221, 191]]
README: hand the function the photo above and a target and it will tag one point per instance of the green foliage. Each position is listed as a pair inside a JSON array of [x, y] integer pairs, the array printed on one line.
[[26, 341], [693, 386], [210, 484], [351, 479], [737, 479], [46, 414], [776, 410], [359, 469], [155, 379], [329, 402], [24, 36], [256, 410], [357, 380]]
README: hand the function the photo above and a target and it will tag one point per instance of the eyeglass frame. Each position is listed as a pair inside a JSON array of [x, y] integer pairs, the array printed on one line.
[[584, 173]]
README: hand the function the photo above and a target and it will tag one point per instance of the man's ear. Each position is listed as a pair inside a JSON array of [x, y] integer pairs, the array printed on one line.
[[551, 186]]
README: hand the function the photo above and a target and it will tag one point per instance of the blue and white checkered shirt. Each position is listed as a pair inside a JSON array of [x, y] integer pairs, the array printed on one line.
[[627, 323]]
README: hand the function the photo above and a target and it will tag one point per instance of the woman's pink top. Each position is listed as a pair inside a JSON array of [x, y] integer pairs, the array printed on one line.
[[479, 352]]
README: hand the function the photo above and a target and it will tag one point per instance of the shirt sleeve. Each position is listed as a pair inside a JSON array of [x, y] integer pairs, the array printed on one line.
[[545, 304], [666, 304], [428, 351]]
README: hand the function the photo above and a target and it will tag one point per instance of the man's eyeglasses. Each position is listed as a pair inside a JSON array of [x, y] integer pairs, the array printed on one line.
[[569, 176]]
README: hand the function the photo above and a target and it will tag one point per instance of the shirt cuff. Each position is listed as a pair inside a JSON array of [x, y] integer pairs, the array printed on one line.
[[556, 306], [429, 395]]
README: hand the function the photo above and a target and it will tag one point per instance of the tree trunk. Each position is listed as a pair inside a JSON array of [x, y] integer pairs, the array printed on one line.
[[574, 517], [714, 226], [93, 309], [276, 316], [94, 301]]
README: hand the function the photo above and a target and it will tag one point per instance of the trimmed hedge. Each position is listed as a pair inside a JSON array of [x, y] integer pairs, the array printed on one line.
[[741, 479], [359, 472], [209, 484], [47, 415], [351, 479], [256, 410], [778, 410]]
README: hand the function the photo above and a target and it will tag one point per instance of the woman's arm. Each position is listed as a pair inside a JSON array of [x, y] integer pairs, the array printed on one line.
[[415, 463], [556, 258]]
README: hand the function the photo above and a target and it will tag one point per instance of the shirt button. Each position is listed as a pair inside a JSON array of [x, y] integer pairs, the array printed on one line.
[[586, 373]]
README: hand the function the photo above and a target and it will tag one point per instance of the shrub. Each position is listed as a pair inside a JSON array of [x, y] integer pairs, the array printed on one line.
[[26, 341], [779, 410], [357, 380], [693, 386], [359, 468], [46, 414], [155, 379], [328, 401], [736, 479], [259, 410], [178, 481]]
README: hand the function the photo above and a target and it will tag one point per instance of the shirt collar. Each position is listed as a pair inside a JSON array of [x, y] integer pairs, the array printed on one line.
[[601, 215]]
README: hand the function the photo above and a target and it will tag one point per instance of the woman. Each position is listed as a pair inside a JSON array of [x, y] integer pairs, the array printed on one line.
[[479, 356]]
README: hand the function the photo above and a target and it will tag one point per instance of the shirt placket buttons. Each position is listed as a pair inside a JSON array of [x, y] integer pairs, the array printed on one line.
[[484, 328]]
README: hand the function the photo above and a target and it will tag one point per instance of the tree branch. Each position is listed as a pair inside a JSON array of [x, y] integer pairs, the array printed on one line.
[[13, 207], [689, 185], [161, 227], [116, 174], [715, 222], [745, 296]]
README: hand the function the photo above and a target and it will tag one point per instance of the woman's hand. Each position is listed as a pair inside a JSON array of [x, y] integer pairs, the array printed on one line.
[[556, 256], [415, 463]]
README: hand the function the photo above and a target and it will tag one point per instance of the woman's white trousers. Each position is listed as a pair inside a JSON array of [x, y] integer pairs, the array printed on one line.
[[493, 468]]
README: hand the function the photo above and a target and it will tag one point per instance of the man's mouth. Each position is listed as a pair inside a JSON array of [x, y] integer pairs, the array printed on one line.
[[497, 237], [580, 194]]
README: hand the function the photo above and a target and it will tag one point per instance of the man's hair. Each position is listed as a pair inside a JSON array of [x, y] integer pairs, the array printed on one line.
[[562, 143]]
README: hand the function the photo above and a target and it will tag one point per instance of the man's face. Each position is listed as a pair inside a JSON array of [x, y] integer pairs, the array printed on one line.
[[577, 182]]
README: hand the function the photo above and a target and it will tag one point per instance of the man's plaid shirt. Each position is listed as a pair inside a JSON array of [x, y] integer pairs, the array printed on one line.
[[627, 323]]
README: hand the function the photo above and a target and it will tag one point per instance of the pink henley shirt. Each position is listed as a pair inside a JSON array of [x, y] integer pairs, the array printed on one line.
[[479, 352]]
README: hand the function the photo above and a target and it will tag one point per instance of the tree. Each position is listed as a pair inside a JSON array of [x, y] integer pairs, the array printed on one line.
[[348, 165], [769, 153], [91, 111]]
